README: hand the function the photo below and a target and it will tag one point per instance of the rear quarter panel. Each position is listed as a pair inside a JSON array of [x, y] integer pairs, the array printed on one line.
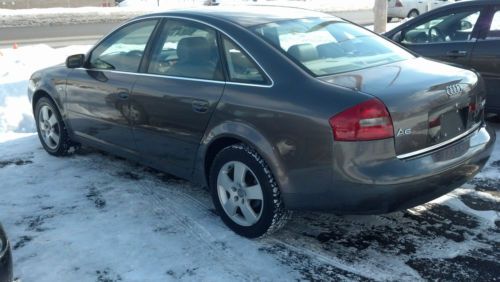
[[286, 123]]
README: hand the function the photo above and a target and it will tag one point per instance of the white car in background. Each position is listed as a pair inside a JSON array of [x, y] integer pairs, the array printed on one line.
[[136, 3], [412, 8]]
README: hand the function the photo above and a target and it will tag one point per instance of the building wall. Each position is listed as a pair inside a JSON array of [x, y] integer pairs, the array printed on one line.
[[28, 4]]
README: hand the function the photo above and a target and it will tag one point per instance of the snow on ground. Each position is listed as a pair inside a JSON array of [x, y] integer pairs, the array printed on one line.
[[16, 68], [95, 217], [55, 16]]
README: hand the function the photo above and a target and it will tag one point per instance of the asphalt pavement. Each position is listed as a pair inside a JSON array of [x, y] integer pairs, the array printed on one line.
[[55, 36]]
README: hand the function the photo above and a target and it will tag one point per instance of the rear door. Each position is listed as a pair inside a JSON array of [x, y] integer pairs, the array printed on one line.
[[176, 94], [97, 95], [447, 36], [486, 59]]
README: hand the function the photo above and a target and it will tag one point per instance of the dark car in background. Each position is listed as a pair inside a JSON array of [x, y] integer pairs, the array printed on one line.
[[5, 258], [466, 34], [274, 109]]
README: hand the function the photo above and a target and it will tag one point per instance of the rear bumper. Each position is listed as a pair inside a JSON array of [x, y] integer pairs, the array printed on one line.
[[5, 259], [368, 183]]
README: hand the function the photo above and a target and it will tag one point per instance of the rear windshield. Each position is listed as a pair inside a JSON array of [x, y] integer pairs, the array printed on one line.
[[329, 46]]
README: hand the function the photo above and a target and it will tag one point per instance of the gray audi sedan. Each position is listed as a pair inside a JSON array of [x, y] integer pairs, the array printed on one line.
[[274, 109]]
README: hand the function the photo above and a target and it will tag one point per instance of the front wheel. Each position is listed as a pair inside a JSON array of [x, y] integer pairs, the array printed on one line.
[[245, 193], [51, 128]]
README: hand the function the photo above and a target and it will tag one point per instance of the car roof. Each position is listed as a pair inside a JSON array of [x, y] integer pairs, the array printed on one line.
[[245, 15]]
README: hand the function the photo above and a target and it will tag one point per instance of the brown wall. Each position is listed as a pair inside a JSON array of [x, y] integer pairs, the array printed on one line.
[[27, 4]]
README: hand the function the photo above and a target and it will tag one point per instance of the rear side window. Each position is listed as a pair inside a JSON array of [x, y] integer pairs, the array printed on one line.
[[187, 49], [123, 50], [240, 67], [326, 46], [494, 32]]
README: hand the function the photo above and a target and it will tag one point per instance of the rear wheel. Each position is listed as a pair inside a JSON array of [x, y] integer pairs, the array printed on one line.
[[51, 128], [413, 13], [245, 193]]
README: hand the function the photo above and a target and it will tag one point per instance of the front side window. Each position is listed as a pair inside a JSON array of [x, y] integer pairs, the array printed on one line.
[[240, 67], [187, 49], [123, 50], [453, 27], [329, 46]]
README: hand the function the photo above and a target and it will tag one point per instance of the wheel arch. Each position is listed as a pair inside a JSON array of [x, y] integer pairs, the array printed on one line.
[[411, 10], [38, 94], [230, 133]]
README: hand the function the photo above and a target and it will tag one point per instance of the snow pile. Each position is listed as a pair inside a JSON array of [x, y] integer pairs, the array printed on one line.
[[17, 66]]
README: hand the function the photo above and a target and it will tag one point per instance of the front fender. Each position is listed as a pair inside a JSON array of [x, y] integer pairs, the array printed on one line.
[[51, 81], [246, 134]]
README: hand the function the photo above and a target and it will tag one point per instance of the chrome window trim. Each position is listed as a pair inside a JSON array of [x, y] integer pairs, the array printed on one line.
[[156, 75], [187, 78], [440, 145]]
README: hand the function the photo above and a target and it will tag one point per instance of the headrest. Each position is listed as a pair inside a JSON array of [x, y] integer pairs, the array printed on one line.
[[193, 48], [330, 50], [303, 52]]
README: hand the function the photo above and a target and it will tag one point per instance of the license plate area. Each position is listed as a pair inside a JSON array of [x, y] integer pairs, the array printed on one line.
[[446, 125], [452, 152], [454, 123]]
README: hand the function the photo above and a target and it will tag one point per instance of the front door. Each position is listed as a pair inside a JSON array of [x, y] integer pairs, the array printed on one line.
[[98, 95], [175, 96], [449, 36]]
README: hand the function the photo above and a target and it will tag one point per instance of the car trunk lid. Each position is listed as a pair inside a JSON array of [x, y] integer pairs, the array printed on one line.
[[430, 103]]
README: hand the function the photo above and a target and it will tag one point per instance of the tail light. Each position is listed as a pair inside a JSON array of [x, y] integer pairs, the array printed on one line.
[[369, 120], [399, 4]]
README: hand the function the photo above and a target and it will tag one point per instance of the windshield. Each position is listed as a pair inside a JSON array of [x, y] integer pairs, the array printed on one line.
[[329, 46]]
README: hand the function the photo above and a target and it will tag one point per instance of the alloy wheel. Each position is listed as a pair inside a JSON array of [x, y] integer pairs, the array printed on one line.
[[49, 127], [240, 193]]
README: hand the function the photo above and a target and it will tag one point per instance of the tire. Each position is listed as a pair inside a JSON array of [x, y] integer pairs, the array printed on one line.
[[413, 13], [230, 196], [51, 129], [389, 19]]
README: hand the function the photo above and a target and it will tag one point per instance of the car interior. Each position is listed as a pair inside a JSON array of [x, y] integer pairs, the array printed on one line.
[[449, 28], [194, 58], [194, 53], [325, 49]]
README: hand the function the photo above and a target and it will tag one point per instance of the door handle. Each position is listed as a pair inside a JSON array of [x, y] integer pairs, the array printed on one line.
[[200, 106], [457, 53]]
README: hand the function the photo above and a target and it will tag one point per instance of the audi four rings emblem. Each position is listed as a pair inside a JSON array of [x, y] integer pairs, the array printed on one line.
[[453, 90]]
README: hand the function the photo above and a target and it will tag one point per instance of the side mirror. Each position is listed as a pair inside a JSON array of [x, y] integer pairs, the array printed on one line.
[[465, 25], [75, 61], [397, 37]]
